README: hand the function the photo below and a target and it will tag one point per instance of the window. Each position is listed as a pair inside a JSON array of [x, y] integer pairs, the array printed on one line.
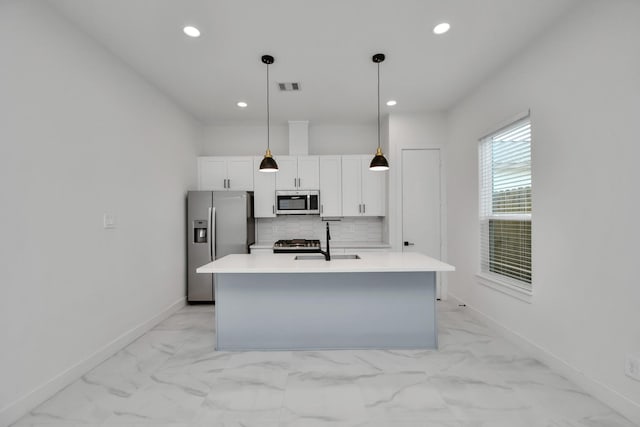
[[505, 206]]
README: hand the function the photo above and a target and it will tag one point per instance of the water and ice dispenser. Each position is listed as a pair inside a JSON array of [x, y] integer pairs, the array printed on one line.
[[200, 231]]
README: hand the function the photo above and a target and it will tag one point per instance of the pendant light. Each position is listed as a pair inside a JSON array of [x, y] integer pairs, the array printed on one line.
[[379, 162], [268, 164]]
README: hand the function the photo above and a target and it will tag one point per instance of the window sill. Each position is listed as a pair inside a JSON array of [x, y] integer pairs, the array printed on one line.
[[505, 287]]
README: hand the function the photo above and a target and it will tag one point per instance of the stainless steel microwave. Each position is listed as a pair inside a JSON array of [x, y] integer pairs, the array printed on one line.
[[298, 202]]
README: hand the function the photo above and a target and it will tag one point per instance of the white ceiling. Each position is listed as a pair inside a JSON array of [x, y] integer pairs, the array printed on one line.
[[325, 45]]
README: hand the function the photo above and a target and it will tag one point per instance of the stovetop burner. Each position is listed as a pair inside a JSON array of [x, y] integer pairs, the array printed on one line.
[[296, 245]]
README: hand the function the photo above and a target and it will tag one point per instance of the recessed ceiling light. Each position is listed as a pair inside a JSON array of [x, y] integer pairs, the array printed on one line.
[[242, 104], [441, 28], [191, 31], [391, 102]]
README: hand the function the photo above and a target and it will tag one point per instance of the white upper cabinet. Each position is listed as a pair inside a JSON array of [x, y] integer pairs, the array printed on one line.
[[225, 173], [298, 173], [308, 173], [330, 186], [287, 175], [363, 190], [351, 186], [374, 189], [264, 192]]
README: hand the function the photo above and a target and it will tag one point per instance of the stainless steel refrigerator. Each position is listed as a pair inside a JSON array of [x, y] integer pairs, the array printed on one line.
[[219, 223]]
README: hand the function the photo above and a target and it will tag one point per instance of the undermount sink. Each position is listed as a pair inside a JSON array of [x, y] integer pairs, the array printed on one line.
[[321, 257]]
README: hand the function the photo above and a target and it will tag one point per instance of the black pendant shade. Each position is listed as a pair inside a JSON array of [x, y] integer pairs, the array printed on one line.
[[268, 163], [379, 162]]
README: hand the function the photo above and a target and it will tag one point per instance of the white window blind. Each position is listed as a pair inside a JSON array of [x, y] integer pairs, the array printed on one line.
[[505, 204]]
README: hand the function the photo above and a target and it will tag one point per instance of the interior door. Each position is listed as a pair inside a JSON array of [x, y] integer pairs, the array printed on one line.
[[421, 202]]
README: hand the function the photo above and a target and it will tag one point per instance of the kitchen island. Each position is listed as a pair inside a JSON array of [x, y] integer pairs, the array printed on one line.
[[275, 302]]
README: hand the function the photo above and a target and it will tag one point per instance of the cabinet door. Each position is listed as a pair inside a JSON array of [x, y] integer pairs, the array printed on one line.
[[264, 192], [287, 175], [351, 186], [330, 186], [240, 173], [373, 190], [212, 173], [308, 173]]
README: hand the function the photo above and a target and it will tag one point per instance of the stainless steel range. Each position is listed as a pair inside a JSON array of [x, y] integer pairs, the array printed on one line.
[[296, 246]]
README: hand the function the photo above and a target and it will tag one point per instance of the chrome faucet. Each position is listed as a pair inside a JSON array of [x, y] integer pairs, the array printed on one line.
[[327, 254]]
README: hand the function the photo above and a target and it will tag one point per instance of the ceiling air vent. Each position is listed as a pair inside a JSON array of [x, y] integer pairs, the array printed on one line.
[[289, 87]]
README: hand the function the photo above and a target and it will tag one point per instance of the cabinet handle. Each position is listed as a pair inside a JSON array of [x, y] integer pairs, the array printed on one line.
[[273, 208], [364, 208], [229, 183], [359, 208], [321, 209]]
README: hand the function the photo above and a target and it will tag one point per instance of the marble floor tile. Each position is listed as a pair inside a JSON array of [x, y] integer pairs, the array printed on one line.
[[172, 376], [159, 404], [319, 396], [406, 396]]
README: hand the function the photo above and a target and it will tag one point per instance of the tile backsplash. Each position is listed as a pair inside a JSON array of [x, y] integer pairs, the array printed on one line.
[[360, 229]]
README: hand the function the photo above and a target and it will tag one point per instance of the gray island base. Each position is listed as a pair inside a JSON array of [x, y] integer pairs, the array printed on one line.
[[372, 303], [325, 311]]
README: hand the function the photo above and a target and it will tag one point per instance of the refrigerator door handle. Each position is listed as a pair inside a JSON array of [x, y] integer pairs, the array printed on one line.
[[209, 233], [212, 245]]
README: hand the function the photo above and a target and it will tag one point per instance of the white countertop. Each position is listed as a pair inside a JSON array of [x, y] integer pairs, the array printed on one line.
[[285, 263]]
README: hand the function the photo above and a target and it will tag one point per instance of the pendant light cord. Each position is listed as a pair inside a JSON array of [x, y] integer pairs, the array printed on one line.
[[378, 105], [268, 118]]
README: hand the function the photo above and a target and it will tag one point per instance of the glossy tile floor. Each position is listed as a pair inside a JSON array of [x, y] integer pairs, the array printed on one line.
[[172, 376]]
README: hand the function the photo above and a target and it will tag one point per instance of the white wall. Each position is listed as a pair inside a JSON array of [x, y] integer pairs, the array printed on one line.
[[244, 140], [342, 139], [251, 140], [81, 135], [582, 84]]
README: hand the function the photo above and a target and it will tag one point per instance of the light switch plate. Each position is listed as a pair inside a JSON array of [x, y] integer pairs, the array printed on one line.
[[109, 221]]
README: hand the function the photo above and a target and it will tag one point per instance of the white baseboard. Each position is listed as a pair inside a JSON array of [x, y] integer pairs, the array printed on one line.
[[597, 389], [17, 409]]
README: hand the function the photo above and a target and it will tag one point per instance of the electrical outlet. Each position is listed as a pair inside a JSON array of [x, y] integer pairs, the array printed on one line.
[[632, 366]]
